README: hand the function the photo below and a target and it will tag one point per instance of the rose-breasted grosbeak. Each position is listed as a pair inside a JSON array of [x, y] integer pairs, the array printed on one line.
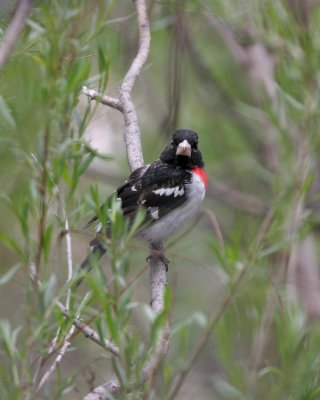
[[170, 189]]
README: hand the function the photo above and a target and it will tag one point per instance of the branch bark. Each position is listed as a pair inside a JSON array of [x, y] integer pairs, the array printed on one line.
[[157, 281], [88, 331], [124, 103], [12, 35], [135, 160]]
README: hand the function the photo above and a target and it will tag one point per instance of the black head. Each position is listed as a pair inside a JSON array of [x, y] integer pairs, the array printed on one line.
[[183, 150]]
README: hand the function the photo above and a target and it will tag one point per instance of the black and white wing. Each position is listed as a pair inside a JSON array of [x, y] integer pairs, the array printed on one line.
[[159, 188], [162, 189]]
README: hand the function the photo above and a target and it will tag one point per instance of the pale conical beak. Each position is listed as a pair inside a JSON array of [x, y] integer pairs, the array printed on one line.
[[184, 149]]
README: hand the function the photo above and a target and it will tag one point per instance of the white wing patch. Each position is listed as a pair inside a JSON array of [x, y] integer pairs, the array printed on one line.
[[154, 212], [175, 191], [98, 229]]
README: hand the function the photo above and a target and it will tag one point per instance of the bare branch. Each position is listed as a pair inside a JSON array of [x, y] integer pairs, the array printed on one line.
[[53, 366], [158, 282], [237, 199], [89, 332], [125, 104], [135, 160], [14, 29], [69, 256], [66, 343], [215, 223], [103, 99], [132, 130]]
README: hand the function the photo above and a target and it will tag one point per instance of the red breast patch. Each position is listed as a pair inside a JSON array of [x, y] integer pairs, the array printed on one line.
[[202, 173]]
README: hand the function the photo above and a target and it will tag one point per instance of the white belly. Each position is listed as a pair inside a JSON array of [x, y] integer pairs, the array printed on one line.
[[177, 218]]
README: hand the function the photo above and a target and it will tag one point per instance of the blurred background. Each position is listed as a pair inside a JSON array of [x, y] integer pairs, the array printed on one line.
[[245, 75]]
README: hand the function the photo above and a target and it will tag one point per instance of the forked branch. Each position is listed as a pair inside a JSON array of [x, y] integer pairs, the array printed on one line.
[[135, 160]]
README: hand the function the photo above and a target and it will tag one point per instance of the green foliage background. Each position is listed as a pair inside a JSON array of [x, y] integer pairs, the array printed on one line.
[[264, 339]]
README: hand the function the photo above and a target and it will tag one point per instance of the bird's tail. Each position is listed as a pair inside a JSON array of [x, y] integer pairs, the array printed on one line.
[[97, 250]]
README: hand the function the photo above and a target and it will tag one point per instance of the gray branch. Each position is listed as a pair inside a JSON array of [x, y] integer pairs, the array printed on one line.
[[135, 160], [12, 35], [89, 332]]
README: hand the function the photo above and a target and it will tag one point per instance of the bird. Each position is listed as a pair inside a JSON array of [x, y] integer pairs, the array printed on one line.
[[170, 190]]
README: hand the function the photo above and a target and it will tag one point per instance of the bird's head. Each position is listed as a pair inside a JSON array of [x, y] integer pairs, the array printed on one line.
[[183, 150]]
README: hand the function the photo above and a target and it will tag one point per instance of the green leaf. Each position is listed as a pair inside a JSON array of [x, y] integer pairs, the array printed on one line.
[[36, 26], [137, 222], [85, 163], [5, 114], [112, 325], [11, 243], [103, 64], [78, 74], [5, 278], [8, 338], [47, 241], [49, 290]]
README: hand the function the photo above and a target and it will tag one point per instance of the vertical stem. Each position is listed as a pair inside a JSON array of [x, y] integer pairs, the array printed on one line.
[[43, 206]]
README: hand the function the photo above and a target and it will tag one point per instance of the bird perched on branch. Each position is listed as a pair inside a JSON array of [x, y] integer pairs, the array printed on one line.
[[170, 190]]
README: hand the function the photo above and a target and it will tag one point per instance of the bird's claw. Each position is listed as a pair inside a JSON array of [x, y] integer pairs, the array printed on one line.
[[160, 257]]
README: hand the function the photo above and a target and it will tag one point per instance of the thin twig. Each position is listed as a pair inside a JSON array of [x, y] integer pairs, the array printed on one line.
[[216, 226], [101, 98], [239, 200], [206, 335], [88, 331], [12, 35], [262, 335], [66, 343], [69, 275], [132, 129], [158, 281], [69, 257], [223, 305]]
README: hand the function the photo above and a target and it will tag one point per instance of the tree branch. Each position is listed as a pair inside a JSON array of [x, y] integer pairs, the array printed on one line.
[[158, 281], [66, 343], [103, 99], [88, 331], [135, 160], [14, 29], [125, 104], [132, 130]]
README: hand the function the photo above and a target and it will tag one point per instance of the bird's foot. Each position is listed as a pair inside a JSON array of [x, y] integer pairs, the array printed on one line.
[[159, 256]]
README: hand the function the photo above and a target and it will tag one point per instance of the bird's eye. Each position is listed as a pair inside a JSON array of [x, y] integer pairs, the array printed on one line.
[[195, 145]]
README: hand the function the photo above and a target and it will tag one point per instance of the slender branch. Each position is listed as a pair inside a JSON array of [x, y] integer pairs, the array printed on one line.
[[158, 281], [144, 46], [178, 381], [66, 343], [222, 306], [215, 223], [101, 98], [70, 273], [125, 104], [69, 257], [132, 130], [240, 200], [135, 160], [12, 35], [88, 331], [42, 189], [53, 366]]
